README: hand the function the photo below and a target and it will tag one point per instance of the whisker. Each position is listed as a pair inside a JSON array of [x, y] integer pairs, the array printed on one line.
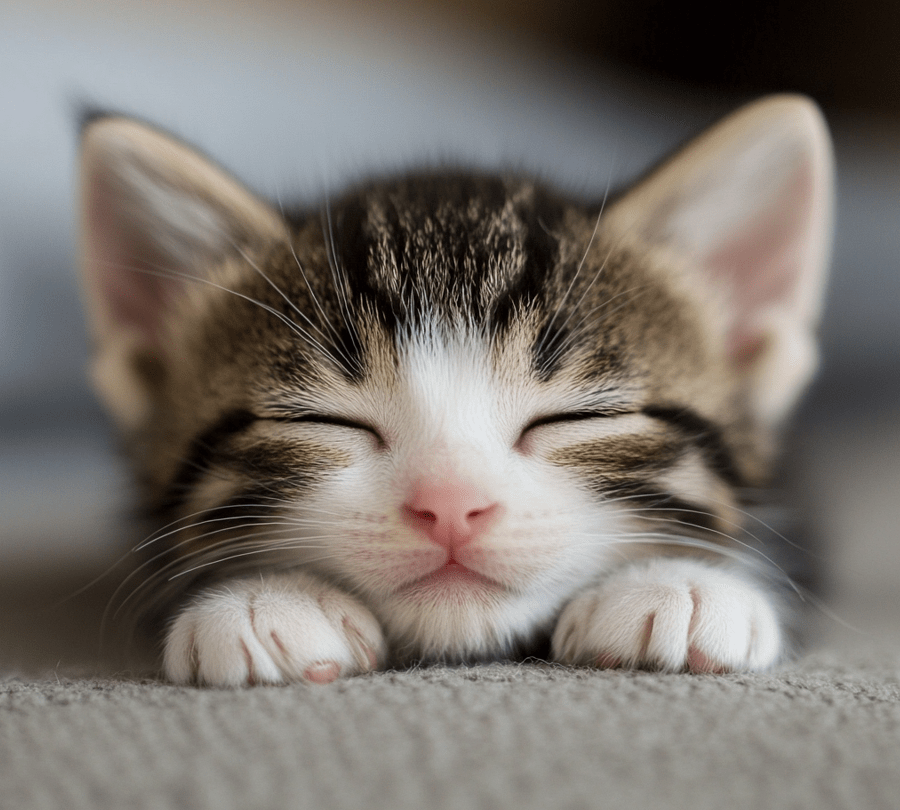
[[254, 538], [584, 256], [574, 309], [291, 304], [146, 544], [155, 535], [641, 510], [766, 564], [768, 527], [287, 520], [338, 276], [576, 332], [239, 555], [350, 360], [168, 272]]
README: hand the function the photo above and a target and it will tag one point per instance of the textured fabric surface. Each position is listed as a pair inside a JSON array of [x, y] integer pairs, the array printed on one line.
[[823, 732], [525, 736]]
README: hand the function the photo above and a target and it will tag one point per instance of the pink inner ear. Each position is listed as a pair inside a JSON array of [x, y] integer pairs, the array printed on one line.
[[763, 262], [133, 295], [136, 299]]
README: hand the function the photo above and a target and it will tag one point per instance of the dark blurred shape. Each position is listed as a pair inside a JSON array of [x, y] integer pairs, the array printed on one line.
[[843, 54]]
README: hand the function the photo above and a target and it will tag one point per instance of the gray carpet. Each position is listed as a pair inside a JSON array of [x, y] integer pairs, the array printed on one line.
[[819, 734], [75, 732]]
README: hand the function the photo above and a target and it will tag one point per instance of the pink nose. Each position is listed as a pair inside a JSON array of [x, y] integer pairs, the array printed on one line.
[[450, 515]]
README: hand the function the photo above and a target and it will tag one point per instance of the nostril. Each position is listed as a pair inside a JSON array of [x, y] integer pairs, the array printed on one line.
[[479, 519], [449, 514], [421, 515]]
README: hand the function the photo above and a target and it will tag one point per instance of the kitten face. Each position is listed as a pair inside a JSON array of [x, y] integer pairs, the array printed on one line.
[[509, 393], [462, 400]]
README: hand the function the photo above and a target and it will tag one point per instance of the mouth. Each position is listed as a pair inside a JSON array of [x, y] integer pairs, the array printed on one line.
[[451, 575]]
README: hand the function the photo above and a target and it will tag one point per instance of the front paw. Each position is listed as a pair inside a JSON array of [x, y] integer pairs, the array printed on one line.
[[671, 615], [277, 629]]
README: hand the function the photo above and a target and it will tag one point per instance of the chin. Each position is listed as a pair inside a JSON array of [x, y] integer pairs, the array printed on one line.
[[461, 619]]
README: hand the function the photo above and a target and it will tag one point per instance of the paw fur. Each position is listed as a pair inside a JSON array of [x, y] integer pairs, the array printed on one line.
[[672, 615], [280, 629]]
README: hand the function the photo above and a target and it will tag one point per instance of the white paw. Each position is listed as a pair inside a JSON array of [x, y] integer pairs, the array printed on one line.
[[670, 615], [277, 629]]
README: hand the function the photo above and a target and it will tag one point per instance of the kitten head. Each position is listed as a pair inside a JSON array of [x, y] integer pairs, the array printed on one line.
[[461, 397]]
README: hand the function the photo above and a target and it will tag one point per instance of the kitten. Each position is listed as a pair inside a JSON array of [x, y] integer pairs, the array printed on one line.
[[449, 415]]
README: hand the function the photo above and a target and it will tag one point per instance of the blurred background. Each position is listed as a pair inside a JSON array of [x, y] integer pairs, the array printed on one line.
[[298, 96]]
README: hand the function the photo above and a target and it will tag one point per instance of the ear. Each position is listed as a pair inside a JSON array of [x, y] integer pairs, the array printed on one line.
[[153, 212], [748, 207]]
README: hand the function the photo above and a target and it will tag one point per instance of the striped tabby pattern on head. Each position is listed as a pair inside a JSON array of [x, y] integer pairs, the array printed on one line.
[[451, 414]]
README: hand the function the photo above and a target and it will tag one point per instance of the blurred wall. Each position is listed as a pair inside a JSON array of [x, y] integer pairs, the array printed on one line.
[[844, 54], [297, 97]]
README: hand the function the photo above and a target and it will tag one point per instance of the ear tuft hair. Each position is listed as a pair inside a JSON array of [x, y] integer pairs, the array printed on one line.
[[748, 207], [154, 211]]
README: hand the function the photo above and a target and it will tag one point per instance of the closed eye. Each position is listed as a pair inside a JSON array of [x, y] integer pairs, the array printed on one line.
[[571, 416], [337, 421]]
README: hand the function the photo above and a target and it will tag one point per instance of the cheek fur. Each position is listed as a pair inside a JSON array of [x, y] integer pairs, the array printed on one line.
[[547, 536]]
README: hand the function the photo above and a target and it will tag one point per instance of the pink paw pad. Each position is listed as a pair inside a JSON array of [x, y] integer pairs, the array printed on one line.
[[699, 663], [322, 673]]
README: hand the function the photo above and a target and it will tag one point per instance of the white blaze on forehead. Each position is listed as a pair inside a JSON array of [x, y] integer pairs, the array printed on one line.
[[449, 395]]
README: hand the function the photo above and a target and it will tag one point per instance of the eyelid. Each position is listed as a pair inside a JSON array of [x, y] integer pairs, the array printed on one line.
[[572, 416], [329, 419]]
